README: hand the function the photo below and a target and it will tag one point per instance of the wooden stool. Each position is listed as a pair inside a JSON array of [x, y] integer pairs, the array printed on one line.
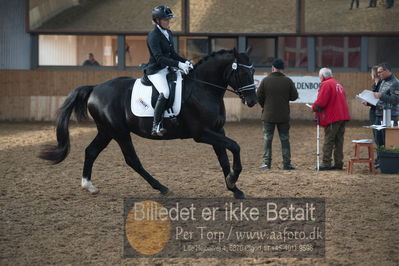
[[357, 159]]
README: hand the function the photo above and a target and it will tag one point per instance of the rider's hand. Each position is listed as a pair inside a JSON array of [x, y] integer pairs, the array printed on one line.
[[184, 67], [189, 63]]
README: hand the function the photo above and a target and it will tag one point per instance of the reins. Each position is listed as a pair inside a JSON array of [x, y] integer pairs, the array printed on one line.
[[213, 85], [238, 92]]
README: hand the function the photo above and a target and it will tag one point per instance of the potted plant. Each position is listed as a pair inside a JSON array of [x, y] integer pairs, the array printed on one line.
[[389, 160]]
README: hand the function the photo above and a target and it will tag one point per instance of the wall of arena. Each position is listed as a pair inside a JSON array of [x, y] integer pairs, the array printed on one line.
[[36, 94]]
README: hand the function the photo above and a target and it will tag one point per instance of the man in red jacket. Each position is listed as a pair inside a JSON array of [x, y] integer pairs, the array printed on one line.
[[332, 112]]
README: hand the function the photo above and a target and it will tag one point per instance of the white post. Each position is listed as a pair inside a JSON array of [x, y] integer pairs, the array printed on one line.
[[318, 139], [318, 145]]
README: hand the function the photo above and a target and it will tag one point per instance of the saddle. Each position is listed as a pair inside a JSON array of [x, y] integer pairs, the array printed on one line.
[[145, 95], [171, 77]]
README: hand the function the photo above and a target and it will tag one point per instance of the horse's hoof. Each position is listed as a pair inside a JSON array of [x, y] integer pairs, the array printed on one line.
[[87, 185], [229, 183], [239, 194], [92, 189], [164, 190]]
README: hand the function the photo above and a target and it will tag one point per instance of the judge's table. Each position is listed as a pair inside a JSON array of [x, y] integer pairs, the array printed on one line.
[[391, 137]]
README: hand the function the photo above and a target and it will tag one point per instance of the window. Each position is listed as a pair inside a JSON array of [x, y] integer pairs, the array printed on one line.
[[263, 50], [136, 51], [294, 51], [338, 52], [223, 43], [193, 48], [74, 50], [383, 49]]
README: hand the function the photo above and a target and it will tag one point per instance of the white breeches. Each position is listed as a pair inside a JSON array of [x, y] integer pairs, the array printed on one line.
[[160, 82]]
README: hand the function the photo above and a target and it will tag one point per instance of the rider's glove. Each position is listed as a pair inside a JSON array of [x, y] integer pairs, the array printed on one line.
[[184, 67], [190, 64]]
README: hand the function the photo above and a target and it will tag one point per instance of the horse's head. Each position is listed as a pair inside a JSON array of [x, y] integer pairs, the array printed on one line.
[[240, 76]]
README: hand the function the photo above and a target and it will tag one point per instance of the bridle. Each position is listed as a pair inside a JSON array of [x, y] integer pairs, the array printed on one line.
[[233, 70]]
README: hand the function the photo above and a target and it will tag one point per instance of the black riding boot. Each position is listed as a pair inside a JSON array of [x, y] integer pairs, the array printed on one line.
[[157, 130]]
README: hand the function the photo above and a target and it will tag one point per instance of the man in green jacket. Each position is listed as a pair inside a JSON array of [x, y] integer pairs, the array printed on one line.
[[274, 94]]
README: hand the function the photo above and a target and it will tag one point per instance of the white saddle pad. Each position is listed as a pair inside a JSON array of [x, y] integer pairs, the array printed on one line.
[[141, 99]]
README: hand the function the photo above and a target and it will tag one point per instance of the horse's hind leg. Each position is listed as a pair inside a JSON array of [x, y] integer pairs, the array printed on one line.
[[91, 153], [133, 161]]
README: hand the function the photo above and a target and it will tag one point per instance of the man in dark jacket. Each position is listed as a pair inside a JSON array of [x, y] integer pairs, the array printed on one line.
[[332, 114], [274, 94], [388, 95]]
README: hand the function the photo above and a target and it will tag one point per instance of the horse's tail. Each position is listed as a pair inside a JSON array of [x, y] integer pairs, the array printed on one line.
[[75, 102]]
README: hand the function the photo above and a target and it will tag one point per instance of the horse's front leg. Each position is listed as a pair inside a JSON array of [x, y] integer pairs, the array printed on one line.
[[220, 143], [223, 159], [230, 178], [220, 151]]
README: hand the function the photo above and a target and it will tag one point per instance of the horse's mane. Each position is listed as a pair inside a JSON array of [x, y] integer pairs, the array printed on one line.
[[212, 55]]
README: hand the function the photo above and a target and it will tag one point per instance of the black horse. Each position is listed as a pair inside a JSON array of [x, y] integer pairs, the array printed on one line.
[[202, 116]]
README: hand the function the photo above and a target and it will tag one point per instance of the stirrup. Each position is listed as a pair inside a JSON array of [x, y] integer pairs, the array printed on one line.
[[157, 130]]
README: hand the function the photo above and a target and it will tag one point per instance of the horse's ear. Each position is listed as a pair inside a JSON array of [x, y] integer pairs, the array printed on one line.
[[235, 52], [249, 49]]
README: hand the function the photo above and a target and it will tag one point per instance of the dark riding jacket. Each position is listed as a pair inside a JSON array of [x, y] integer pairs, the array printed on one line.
[[162, 52], [389, 90]]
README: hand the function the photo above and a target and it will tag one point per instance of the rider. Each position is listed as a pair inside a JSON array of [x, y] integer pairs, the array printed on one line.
[[162, 56]]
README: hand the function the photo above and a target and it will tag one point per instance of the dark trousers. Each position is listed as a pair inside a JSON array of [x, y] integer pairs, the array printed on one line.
[[334, 141], [372, 117], [357, 3], [389, 3], [284, 133], [373, 3]]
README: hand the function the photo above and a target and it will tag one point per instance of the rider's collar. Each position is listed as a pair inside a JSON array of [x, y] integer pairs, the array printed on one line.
[[164, 31]]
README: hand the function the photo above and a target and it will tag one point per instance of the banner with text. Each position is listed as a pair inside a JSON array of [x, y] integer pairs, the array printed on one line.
[[224, 228], [307, 87]]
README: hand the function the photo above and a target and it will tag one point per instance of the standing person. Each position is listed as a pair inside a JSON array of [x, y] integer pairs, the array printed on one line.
[[162, 56], [375, 88], [372, 116], [389, 3], [91, 61], [357, 4], [274, 94], [373, 3], [388, 96], [332, 112]]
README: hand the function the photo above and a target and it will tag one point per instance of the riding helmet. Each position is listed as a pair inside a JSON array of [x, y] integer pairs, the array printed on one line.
[[162, 12]]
